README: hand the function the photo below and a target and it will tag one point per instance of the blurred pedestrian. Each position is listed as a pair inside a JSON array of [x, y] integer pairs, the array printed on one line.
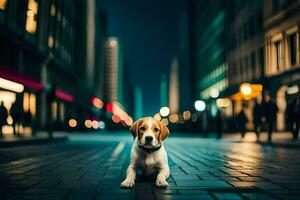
[[242, 121], [3, 116], [27, 119], [16, 114], [270, 112], [51, 93], [289, 115], [257, 118], [219, 123], [294, 116]]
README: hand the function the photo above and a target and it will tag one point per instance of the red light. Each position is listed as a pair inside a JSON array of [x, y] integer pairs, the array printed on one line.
[[116, 118], [109, 107], [97, 102]]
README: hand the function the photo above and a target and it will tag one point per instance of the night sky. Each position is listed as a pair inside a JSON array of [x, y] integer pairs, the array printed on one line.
[[150, 35]]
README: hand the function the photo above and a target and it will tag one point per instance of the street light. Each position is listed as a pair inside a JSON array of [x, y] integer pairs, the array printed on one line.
[[199, 105], [164, 111], [246, 89], [214, 93]]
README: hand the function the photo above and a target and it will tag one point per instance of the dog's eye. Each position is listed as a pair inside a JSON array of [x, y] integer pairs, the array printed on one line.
[[142, 128], [156, 129]]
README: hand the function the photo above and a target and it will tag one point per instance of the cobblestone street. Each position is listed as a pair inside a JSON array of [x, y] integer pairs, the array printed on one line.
[[92, 167]]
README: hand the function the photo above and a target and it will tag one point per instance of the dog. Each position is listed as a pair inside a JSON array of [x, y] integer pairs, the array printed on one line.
[[148, 152]]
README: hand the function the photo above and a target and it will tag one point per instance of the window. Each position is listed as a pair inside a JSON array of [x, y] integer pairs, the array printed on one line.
[[293, 48], [279, 55], [50, 41], [31, 19]]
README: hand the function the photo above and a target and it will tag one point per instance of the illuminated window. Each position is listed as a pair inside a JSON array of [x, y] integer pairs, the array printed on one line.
[[50, 41], [32, 104], [31, 19], [54, 110], [293, 48], [8, 98], [62, 112], [26, 102], [2, 4], [279, 55], [53, 10]]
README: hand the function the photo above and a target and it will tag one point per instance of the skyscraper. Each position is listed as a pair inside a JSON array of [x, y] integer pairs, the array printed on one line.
[[113, 71], [174, 87]]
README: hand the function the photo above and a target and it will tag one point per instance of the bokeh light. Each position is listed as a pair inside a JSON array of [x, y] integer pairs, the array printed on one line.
[[88, 123], [214, 93], [165, 121], [101, 125], [116, 118], [95, 124], [199, 105], [186, 115], [157, 116], [246, 89], [164, 111], [72, 123], [173, 118]]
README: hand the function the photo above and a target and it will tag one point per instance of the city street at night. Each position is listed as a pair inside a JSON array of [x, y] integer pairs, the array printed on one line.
[[92, 166], [155, 99]]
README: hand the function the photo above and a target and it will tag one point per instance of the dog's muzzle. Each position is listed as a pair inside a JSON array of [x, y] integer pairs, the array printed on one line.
[[149, 149]]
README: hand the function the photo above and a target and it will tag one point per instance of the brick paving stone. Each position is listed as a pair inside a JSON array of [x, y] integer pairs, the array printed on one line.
[[258, 196], [227, 196], [185, 197], [204, 184]]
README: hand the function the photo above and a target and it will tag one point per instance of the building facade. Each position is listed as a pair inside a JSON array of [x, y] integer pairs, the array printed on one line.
[[245, 55], [113, 70], [282, 64], [174, 90], [39, 51]]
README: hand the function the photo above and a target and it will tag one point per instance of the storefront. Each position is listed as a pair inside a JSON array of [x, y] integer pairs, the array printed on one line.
[[23, 91]]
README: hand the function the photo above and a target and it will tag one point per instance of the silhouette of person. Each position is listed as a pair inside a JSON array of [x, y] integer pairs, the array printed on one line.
[[257, 118], [27, 118], [270, 112], [289, 115], [50, 99], [219, 123], [294, 116], [3, 116], [16, 114], [242, 120]]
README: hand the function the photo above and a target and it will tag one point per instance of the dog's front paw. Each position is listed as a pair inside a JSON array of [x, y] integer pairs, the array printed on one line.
[[162, 183], [127, 183]]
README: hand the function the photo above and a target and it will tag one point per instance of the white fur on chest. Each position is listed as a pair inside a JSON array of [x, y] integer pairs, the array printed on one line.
[[149, 162]]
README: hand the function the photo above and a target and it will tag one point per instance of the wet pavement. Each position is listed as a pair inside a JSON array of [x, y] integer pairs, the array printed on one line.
[[93, 166]]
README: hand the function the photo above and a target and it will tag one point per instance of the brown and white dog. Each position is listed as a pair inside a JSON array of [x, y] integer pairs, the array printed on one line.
[[148, 152]]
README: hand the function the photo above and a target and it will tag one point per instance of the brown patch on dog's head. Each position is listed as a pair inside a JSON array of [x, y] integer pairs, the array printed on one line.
[[164, 131], [137, 128]]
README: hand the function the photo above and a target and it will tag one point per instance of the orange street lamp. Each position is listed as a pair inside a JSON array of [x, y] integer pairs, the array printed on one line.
[[246, 89]]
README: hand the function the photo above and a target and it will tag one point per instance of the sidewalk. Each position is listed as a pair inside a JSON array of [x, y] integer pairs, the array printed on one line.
[[278, 138], [39, 138]]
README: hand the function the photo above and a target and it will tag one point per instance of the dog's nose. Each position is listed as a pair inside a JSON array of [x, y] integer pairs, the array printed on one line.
[[148, 139]]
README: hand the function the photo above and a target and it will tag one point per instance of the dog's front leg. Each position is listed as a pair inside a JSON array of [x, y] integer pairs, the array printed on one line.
[[163, 174], [130, 176]]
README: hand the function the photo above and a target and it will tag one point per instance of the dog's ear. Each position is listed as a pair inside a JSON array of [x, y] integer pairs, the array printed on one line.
[[164, 131], [135, 128]]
